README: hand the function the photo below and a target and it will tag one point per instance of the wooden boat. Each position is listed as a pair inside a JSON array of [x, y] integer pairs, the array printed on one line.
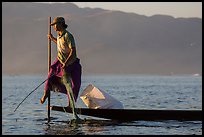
[[136, 114]]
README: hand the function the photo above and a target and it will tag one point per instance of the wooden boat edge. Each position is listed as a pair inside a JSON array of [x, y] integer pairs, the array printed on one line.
[[136, 114]]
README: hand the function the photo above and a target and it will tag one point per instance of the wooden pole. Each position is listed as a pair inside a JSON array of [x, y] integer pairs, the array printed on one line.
[[49, 64]]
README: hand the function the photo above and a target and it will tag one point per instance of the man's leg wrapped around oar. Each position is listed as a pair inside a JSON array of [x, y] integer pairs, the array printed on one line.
[[66, 80]]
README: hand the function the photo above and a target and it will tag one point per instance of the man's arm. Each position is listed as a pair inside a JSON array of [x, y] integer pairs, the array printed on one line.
[[50, 36], [70, 53], [54, 40]]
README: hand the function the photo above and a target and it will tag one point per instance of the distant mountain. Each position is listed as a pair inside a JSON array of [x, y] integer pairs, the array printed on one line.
[[107, 41]]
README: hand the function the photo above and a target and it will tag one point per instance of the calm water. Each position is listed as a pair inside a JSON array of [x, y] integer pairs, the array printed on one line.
[[138, 92]]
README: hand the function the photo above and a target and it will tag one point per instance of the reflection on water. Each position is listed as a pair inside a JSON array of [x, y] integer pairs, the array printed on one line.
[[98, 127], [83, 127]]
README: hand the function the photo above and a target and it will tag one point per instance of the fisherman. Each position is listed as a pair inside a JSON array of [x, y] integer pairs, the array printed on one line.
[[65, 73]]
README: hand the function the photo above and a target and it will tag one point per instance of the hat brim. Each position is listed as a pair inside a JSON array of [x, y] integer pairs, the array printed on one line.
[[52, 24]]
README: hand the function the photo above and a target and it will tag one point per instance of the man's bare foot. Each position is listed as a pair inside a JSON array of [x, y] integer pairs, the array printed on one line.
[[44, 97]]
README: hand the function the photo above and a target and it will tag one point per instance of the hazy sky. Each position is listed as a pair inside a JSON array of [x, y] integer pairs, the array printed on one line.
[[175, 9]]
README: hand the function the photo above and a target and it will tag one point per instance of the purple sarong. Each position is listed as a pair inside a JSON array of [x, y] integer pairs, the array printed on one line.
[[54, 83]]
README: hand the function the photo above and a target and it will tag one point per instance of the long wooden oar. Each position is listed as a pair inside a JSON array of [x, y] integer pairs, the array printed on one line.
[[49, 64]]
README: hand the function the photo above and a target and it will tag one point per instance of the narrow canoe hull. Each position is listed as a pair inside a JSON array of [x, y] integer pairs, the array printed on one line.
[[136, 114]]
